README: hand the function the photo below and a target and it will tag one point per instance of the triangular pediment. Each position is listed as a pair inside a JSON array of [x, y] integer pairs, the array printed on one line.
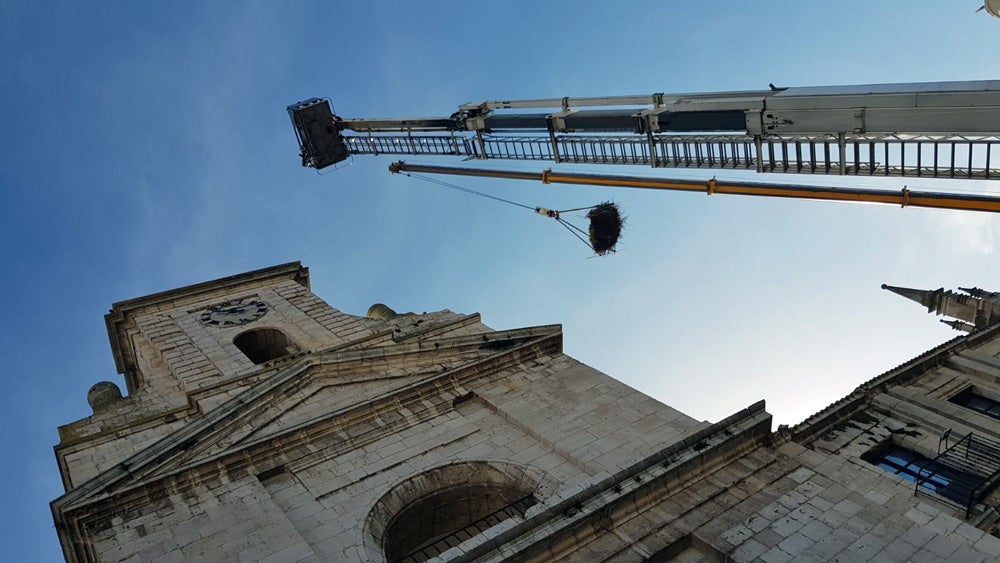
[[322, 389], [336, 393]]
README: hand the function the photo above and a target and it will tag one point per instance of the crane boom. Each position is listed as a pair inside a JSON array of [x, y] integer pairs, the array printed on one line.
[[903, 198], [937, 130]]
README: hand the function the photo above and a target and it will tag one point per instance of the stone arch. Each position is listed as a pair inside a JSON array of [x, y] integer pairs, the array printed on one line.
[[264, 344], [427, 510]]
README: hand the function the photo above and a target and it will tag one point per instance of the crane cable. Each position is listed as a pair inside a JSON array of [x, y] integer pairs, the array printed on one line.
[[464, 189], [576, 231]]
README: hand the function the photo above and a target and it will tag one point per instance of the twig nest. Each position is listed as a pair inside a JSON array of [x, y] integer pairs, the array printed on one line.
[[605, 227]]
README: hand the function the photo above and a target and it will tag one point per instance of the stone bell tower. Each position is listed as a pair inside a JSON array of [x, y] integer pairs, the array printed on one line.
[[260, 423], [186, 351]]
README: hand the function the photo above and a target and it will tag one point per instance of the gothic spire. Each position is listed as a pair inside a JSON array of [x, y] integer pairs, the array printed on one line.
[[926, 297], [974, 308]]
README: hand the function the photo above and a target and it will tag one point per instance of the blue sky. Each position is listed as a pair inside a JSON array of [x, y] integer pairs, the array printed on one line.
[[148, 147]]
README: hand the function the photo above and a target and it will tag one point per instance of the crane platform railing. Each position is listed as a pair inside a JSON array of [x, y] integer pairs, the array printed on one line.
[[930, 156]]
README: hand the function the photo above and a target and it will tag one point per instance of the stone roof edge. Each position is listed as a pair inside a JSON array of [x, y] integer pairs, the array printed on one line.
[[846, 405]]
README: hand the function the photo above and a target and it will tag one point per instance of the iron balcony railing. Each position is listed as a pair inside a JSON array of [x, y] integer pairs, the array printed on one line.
[[963, 473]]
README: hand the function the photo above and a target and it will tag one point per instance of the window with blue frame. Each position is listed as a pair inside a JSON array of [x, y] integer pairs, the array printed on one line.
[[948, 482], [972, 400]]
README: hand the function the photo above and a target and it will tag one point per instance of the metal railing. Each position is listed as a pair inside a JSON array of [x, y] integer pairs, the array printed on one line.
[[438, 545], [963, 473], [930, 156]]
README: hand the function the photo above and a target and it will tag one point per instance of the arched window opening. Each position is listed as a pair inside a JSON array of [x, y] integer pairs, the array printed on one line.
[[434, 524], [430, 512], [264, 344]]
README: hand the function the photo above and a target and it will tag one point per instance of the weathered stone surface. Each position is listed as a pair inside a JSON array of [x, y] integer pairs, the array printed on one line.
[[480, 445]]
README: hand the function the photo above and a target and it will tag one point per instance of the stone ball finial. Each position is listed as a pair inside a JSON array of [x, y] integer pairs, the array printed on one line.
[[102, 394], [380, 312]]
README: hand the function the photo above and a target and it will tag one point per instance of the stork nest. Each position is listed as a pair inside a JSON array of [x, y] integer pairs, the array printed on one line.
[[606, 224]]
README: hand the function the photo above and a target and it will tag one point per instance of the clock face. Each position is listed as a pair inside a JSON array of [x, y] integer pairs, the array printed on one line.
[[236, 312]]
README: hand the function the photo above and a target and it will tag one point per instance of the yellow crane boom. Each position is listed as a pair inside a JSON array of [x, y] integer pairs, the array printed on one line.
[[904, 197]]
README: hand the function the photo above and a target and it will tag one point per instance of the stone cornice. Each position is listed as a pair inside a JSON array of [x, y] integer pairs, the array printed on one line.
[[141, 420]]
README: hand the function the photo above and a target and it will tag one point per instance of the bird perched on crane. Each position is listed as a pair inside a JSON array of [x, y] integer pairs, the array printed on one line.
[[991, 6]]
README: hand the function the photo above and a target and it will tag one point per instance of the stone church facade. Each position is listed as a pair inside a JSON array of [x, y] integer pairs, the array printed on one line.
[[262, 424]]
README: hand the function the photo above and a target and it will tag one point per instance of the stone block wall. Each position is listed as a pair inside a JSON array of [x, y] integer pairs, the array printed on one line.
[[556, 425]]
